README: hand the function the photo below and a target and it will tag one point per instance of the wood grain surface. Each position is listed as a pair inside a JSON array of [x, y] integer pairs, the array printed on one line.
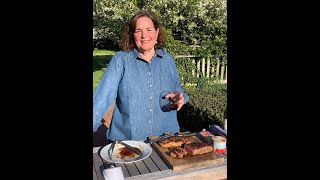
[[187, 161]]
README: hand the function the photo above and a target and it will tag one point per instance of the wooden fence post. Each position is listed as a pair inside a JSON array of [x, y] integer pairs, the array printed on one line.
[[218, 68], [203, 66], [226, 73], [222, 71], [198, 68], [194, 64], [212, 73], [208, 67]]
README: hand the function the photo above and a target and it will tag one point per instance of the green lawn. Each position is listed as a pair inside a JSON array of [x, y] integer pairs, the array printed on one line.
[[101, 59]]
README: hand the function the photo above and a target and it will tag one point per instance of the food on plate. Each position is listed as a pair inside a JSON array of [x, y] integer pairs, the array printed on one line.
[[126, 153], [175, 141]]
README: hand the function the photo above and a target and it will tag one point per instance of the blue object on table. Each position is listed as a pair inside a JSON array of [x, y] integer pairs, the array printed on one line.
[[217, 130]]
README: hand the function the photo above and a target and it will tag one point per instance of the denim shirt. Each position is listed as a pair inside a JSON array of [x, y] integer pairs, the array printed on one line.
[[136, 85]]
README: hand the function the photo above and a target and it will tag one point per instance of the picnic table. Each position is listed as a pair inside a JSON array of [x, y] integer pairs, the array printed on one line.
[[153, 167]]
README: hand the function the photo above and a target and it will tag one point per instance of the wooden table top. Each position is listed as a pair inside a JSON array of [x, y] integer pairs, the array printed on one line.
[[153, 167]]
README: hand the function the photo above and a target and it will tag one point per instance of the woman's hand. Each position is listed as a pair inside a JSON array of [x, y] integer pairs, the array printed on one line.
[[177, 99]]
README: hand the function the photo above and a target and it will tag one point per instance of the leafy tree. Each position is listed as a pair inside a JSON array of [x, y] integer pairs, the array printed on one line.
[[109, 16], [195, 22]]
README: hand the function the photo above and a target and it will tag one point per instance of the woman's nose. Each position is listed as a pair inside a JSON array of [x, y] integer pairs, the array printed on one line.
[[142, 34]]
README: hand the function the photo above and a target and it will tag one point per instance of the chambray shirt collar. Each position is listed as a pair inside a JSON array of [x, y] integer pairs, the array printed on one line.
[[159, 53]]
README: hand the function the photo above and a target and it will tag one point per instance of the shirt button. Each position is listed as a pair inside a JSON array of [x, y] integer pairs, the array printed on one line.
[[150, 110], [149, 121], [150, 85], [149, 73], [150, 97]]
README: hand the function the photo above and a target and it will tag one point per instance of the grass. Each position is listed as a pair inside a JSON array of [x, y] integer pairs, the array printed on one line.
[[101, 59], [98, 52]]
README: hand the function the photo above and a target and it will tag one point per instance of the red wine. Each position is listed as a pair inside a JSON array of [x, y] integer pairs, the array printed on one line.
[[173, 106]]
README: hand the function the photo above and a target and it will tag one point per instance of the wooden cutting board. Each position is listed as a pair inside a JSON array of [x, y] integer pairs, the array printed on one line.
[[187, 161]]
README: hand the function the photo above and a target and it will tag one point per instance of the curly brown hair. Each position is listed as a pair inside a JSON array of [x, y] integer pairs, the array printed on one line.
[[127, 37]]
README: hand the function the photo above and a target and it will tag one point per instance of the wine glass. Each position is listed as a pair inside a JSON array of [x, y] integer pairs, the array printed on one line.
[[171, 103], [164, 101]]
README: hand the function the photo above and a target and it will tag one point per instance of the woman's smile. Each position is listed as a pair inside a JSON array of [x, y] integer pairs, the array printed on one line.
[[145, 35]]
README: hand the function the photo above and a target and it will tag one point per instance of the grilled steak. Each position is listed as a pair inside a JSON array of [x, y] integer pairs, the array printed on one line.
[[181, 151], [198, 148], [172, 154], [175, 141], [178, 152]]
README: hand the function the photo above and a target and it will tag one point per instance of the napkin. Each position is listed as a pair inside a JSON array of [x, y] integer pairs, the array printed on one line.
[[113, 173]]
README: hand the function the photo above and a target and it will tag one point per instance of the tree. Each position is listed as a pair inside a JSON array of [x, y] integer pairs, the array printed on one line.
[[109, 16], [195, 22], [192, 22]]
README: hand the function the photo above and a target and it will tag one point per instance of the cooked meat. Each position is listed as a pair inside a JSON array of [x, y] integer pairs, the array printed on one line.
[[175, 141], [182, 151], [198, 148], [179, 155], [172, 154]]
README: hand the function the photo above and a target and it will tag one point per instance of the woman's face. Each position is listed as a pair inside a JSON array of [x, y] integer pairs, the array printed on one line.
[[145, 35]]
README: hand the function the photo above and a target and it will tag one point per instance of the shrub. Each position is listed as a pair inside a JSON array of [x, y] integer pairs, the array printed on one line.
[[206, 106]]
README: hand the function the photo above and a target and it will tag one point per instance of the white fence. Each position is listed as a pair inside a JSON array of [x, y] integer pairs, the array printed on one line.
[[207, 67]]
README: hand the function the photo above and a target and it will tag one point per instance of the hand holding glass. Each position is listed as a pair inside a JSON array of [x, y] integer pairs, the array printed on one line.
[[170, 101]]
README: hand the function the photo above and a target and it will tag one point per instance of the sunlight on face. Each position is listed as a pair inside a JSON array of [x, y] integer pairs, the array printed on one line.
[[145, 35]]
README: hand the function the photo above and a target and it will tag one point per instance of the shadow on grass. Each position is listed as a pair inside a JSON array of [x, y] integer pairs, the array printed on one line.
[[100, 61]]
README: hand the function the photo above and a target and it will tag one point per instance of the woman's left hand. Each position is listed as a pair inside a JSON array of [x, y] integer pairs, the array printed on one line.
[[177, 98]]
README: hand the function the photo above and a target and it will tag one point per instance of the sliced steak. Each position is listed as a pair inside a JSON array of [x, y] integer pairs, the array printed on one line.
[[172, 154], [179, 154], [198, 148], [175, 141], [182, 151]]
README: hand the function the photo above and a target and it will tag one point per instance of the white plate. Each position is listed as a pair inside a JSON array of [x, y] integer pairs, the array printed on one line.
[[145, 148]]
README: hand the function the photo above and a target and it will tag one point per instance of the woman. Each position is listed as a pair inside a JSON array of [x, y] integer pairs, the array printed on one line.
[[135, 78]]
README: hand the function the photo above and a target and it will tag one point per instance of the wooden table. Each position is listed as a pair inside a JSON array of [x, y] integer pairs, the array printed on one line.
[[153, 167]]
